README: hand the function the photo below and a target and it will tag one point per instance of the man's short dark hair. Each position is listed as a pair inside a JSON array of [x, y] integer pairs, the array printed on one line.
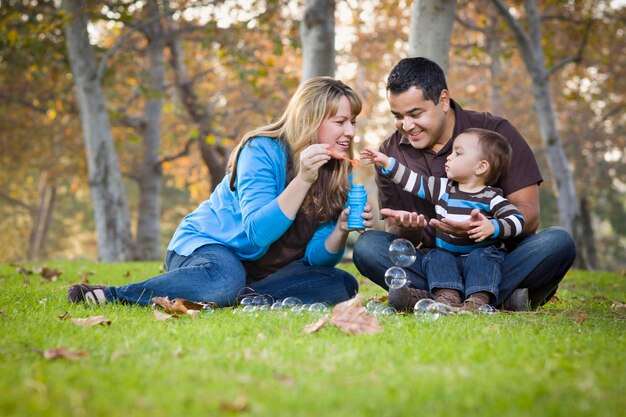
[[417, 72]]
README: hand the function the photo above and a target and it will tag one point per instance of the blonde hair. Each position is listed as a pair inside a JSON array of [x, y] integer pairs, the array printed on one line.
[[315, 100]]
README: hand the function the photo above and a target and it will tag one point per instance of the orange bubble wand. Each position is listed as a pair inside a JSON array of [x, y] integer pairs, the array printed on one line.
[[354, 162]]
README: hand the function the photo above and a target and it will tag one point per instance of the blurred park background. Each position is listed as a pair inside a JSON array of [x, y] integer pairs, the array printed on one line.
[[117, 117]]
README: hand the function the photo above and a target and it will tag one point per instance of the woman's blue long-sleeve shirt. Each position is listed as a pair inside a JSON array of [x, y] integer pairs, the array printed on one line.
[[249, 219]]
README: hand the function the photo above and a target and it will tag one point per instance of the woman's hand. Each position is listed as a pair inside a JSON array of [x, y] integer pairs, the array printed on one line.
[[311, 159], [367, 216]]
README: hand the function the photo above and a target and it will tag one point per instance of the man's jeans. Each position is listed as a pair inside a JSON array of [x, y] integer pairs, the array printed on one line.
[[479, 270], [213, 273], [539, 263]]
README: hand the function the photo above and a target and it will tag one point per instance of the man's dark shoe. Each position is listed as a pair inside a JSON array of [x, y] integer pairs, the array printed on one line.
[[517, 301], [405, 298]]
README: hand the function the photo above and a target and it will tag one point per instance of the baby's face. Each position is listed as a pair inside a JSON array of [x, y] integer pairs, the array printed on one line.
[[464, 160]]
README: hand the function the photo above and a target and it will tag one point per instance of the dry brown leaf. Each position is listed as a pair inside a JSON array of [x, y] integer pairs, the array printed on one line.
[[64, 353], [351, 317], [127, 274], [161, 316], [180, 305], [313, 327], [84, 275], [64, 316], [240, 404], [49, 274], [582, 316], [92, 321], [23, 271]]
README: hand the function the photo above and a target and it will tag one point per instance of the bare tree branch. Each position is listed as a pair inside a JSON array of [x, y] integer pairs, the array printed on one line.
[[469, 24], [180, 154], [18, 203], [579, 54]]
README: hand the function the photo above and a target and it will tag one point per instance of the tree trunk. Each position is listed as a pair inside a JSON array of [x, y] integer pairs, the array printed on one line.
[[532, 54], [431, 29], [105, 179], [214, 155], [41, 219], [591, 253], [494, 49], [317, 31], [149, 216]]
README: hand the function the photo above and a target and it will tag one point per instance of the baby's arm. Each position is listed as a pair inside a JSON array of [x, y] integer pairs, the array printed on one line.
[[370, 156]]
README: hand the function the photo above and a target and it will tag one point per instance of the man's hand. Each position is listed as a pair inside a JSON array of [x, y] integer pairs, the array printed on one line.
[[456, 228], [405, 219]]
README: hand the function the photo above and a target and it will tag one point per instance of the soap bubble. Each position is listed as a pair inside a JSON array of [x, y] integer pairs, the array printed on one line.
[[402, 252], [426, 309], [246, 301], [487, 309], [249, 308], [260, 300], [441, 308], [388, 311], [374, 306], [291, 302], [318, 308], [395, 277]]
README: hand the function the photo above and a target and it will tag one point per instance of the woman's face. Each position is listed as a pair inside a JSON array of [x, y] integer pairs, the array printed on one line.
[[338, 130]]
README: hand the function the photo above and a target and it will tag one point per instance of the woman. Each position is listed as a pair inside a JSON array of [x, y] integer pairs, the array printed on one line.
[[276, 224]]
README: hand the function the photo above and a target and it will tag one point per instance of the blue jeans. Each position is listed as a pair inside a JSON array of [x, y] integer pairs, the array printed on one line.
[[479, 270], [538, 263], [213, 273]]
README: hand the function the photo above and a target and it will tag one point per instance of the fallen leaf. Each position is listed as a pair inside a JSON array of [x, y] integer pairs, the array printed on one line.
[[127, 274], [554, 299], [49, 274], [24, 271], [64, 353], [351, 317], [618, 306], [161, 316], [313, 327], [84, 276], [180, 305], [582, 316], [286, 380], [92, 321], [240, 404], [64, 316]]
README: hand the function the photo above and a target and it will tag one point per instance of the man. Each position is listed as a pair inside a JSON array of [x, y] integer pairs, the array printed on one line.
[[427, 122]]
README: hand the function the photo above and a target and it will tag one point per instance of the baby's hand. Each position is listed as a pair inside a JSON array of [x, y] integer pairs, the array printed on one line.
[[481, 230], [370, 156]]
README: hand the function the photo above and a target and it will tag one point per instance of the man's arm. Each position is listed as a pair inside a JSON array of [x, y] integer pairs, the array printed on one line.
[[527, 202]]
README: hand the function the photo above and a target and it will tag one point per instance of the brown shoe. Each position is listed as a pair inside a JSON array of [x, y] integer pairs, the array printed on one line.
[[405, 298], [448, 296]]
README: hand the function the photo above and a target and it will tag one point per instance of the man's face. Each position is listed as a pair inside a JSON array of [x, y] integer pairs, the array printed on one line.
[[421, 121]]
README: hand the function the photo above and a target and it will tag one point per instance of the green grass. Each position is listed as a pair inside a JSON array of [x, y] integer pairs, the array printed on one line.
[[567, 359]]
